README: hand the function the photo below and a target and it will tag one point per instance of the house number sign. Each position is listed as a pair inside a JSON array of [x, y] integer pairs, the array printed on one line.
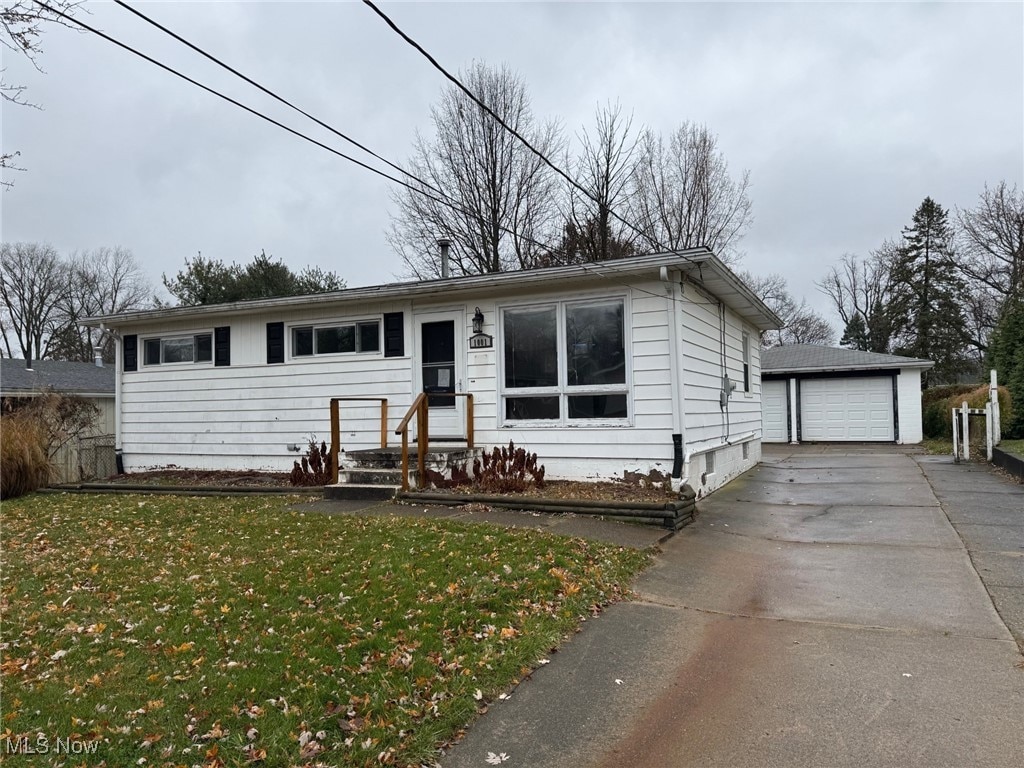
[[481, 341]]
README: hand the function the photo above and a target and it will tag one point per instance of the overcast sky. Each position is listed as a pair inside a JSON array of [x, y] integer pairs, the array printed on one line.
[[846, 115]]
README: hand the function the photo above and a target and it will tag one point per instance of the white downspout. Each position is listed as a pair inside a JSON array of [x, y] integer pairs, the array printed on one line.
[[675, 372]]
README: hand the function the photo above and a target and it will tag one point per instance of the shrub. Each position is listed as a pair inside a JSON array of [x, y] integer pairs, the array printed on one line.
[[505, 470], [936, 417], [24, 458], [316, 467]]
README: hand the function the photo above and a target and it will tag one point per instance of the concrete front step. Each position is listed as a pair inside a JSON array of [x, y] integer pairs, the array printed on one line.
[[438, 458], [372, 476]]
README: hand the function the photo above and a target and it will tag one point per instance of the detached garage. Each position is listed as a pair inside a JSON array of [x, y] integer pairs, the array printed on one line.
[[811, 393]]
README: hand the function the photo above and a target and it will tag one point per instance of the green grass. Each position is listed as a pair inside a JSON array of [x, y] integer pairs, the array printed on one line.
[[938, 445], [1013, 446], [229, 632]]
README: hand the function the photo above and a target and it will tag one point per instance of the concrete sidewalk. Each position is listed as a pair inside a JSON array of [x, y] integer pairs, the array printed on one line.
[[987, 511], [823, 611]]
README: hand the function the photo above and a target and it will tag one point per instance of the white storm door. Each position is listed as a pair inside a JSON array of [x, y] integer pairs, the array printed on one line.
[[440, 368]]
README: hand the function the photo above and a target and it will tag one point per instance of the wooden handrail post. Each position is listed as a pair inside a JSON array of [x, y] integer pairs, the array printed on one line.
[[469, 420], [383, 423], [335, 440], [405, 460], [421, 442]]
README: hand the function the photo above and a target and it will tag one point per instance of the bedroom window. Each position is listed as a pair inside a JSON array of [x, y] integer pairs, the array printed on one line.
[[178, 349], [565, 362], [341, 339]]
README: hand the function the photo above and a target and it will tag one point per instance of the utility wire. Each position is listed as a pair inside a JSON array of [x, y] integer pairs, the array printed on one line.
[[458, 83], [442, 199], [248, 109], [273, 95]]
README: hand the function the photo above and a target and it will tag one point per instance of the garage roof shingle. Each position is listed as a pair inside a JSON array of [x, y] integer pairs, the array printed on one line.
[[794, 358]]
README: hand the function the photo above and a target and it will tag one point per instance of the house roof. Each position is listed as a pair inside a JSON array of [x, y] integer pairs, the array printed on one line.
[[811, 358], [698, 265], [56, 375]]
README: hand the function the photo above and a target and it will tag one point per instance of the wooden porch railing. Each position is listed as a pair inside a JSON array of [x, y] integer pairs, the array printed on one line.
[[336, 427], [420, 410]]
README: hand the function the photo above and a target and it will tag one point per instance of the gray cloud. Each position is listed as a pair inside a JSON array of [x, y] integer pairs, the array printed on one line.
[[846, 115]]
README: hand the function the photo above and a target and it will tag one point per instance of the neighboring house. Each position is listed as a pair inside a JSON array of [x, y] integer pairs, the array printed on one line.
[[829, 394], [94, 382], [635, 365]]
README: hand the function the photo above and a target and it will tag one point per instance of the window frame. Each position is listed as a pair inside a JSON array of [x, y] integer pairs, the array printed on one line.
[[562, 390], [291, 328], [144, 342], [745, 353]]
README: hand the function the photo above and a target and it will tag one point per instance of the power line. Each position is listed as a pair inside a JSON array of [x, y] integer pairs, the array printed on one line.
[[238, 104], [479, 102], [274, 95], [442, 199]]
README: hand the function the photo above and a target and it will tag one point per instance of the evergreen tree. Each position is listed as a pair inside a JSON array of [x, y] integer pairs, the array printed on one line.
[[1006, 355], [927, 288], [855, 336], [211, 281]]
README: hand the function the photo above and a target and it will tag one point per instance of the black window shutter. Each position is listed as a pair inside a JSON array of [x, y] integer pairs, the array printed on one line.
[[394, 334], [130, 348], [275, 342], [222, 345]]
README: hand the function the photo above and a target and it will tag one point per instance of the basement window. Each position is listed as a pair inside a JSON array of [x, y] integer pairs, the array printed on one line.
[[178, 349], [342, 339]]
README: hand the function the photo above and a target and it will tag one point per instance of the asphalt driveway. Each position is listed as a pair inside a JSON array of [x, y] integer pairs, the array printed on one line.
[[822, 611]]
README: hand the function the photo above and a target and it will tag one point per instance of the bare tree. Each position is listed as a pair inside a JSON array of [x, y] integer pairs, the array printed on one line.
[[604, 170], [991, 240], [684, 196], [504, 194], [21, 24], [33, 283], [867, 289], [102, 282], [801, 324]]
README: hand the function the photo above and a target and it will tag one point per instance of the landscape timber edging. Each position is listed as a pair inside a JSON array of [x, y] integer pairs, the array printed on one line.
[[1008, 461], [185, 490], [672, 514]]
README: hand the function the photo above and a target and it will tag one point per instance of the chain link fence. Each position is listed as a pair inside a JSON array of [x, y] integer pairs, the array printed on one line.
[[96, 457]]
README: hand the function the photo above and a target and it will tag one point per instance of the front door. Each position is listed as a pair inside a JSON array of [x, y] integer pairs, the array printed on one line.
[[440, 368]]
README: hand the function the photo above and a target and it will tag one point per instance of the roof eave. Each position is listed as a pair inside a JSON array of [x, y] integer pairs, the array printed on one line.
[[918, 364], [447, 287]]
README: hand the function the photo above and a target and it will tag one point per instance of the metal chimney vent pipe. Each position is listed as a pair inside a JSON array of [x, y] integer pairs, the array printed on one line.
[[444, 244], [97, 356]]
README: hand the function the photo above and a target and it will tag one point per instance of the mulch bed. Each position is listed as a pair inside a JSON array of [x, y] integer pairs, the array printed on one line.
[[196, 477], [553, 489]]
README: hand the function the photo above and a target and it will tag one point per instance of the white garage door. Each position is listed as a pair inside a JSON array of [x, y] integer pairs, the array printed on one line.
[[851, 409], [774, 412]]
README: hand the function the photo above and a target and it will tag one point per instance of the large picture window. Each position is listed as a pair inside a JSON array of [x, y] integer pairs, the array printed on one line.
[[340, 339], [178, 349], [565, 362]]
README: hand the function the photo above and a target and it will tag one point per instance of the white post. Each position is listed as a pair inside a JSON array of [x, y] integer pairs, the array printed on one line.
[[956, 435], [967, 430], [993, 396], [988, 430]]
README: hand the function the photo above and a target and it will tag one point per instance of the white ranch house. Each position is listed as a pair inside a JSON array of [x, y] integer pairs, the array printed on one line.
[[639, 365]]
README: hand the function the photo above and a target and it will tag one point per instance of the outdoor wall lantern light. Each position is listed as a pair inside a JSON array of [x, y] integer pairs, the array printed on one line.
[[478, 321]]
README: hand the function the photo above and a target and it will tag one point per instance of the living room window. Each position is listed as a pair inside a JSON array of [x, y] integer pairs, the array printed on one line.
[[565, 362]]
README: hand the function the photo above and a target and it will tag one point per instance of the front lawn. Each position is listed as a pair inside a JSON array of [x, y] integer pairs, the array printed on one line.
[[1016, 447], [228, 632]]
